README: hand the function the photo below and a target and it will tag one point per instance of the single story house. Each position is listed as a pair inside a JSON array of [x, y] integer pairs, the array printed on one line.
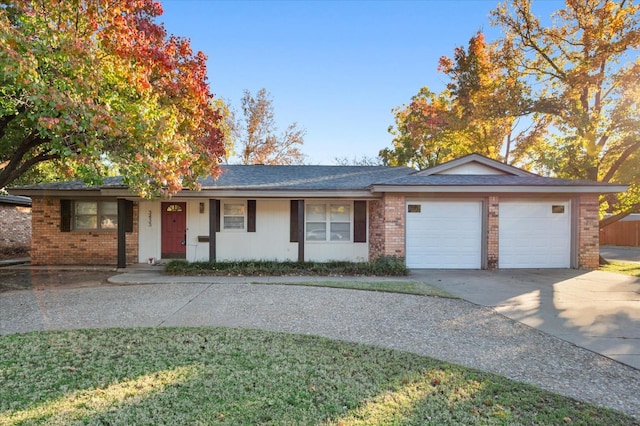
[[472, 212]]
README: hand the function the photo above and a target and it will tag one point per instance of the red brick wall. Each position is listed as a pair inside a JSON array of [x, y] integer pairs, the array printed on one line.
[[386, 226], [49, 246], [493, 243], [376, 229], [15, 226], [588, 232]]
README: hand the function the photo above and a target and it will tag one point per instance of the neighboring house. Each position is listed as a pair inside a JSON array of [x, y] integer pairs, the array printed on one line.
[[625, 232], [15, 223], [472, 212]]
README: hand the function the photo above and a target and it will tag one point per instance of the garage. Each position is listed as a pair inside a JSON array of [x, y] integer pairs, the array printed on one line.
[[444, 234], [534, 234]]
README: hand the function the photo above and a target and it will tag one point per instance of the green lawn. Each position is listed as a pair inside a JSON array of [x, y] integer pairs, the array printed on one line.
[[627, 268], [229, 376]]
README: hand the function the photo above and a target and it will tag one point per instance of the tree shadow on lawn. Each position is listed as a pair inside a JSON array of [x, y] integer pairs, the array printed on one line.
[[210, 375]]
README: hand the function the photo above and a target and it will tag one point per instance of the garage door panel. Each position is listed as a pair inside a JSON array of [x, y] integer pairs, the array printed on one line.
[[444, 234], [533, 236]]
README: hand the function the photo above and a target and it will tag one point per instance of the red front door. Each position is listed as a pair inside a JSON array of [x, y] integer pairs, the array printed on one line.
[[174, 230]]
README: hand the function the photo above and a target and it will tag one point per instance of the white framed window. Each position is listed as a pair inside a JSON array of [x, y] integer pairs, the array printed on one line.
[[95, 215], [329, 221], [234, 216]]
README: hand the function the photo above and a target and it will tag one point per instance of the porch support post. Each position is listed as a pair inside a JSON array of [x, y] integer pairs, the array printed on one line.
[[214, 220], [300, 230], [122, 233]]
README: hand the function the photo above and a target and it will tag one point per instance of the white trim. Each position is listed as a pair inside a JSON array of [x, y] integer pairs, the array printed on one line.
[[248, 194], [474, 158], [501, 189]]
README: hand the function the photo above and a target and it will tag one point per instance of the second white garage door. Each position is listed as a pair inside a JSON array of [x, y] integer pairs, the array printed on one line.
[[535, 234], [444, 234]]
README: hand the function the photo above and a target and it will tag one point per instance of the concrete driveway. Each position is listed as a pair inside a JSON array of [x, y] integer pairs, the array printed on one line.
[[599, 311], [625, 254]]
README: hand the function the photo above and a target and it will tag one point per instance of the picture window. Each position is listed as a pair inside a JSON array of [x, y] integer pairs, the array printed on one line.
[[328, 222], [95, 215]]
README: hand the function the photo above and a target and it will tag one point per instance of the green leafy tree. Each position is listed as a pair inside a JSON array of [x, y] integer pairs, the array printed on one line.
[[85, 85], [582, 72], [569, 89]]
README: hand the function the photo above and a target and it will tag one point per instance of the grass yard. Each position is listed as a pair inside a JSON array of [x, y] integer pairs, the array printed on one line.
[[230, 376], [627, 268]]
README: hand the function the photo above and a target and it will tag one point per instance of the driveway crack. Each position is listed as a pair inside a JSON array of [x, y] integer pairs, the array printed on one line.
[[184, 305]]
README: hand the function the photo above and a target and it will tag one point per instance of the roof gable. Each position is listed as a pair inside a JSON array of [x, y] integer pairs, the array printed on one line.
[[473, 164]]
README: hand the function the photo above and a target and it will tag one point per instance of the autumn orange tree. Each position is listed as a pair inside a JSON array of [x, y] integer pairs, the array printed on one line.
[[560, 98], [471, 115], [258, 136], [583, 72], [89, 84]]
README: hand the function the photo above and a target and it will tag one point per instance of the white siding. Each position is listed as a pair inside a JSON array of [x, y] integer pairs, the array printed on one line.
[[269, 242], [149, 241], [472, 169]]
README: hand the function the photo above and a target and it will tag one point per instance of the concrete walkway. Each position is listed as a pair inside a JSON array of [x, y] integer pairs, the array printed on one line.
[[596, 310], [447, 329]]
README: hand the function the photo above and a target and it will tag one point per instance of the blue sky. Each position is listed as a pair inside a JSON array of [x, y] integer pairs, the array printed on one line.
[[337, 68]]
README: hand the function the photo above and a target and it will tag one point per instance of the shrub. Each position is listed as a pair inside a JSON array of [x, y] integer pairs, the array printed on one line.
[[382, 266]]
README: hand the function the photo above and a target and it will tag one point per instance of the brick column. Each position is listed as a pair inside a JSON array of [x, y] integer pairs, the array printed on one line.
[[376, 229], [394, 226], [387, 227], [588, 232], [493, 243]]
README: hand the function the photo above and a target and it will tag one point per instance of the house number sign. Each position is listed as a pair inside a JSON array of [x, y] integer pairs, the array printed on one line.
[[149, 217]]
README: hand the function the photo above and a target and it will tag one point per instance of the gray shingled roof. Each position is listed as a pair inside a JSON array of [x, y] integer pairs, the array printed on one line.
[[15, 200], [74, 185], [302, 177], [330, 178], [262, 177], [485, 180]]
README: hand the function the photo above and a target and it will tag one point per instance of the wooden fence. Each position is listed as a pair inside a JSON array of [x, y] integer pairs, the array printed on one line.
[[623, 233]]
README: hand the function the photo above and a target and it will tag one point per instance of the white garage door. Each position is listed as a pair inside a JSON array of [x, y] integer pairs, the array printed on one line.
[[444, 234], [535, 234]]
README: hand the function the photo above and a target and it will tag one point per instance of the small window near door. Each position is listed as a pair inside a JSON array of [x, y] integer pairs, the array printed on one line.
[[233, 216], [414, 208], [174, 208], [557, 209]]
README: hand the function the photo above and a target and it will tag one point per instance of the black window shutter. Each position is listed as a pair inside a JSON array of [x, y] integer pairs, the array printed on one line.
[[128, 216], [293, 222], [65, 215], [251, 215], [359, 221], [217, 215]]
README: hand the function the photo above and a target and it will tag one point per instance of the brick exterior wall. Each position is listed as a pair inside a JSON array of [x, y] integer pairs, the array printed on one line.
[[588, 232], [376, 229], [493, 242], [15, 226], [387, 227], [50, 246]]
